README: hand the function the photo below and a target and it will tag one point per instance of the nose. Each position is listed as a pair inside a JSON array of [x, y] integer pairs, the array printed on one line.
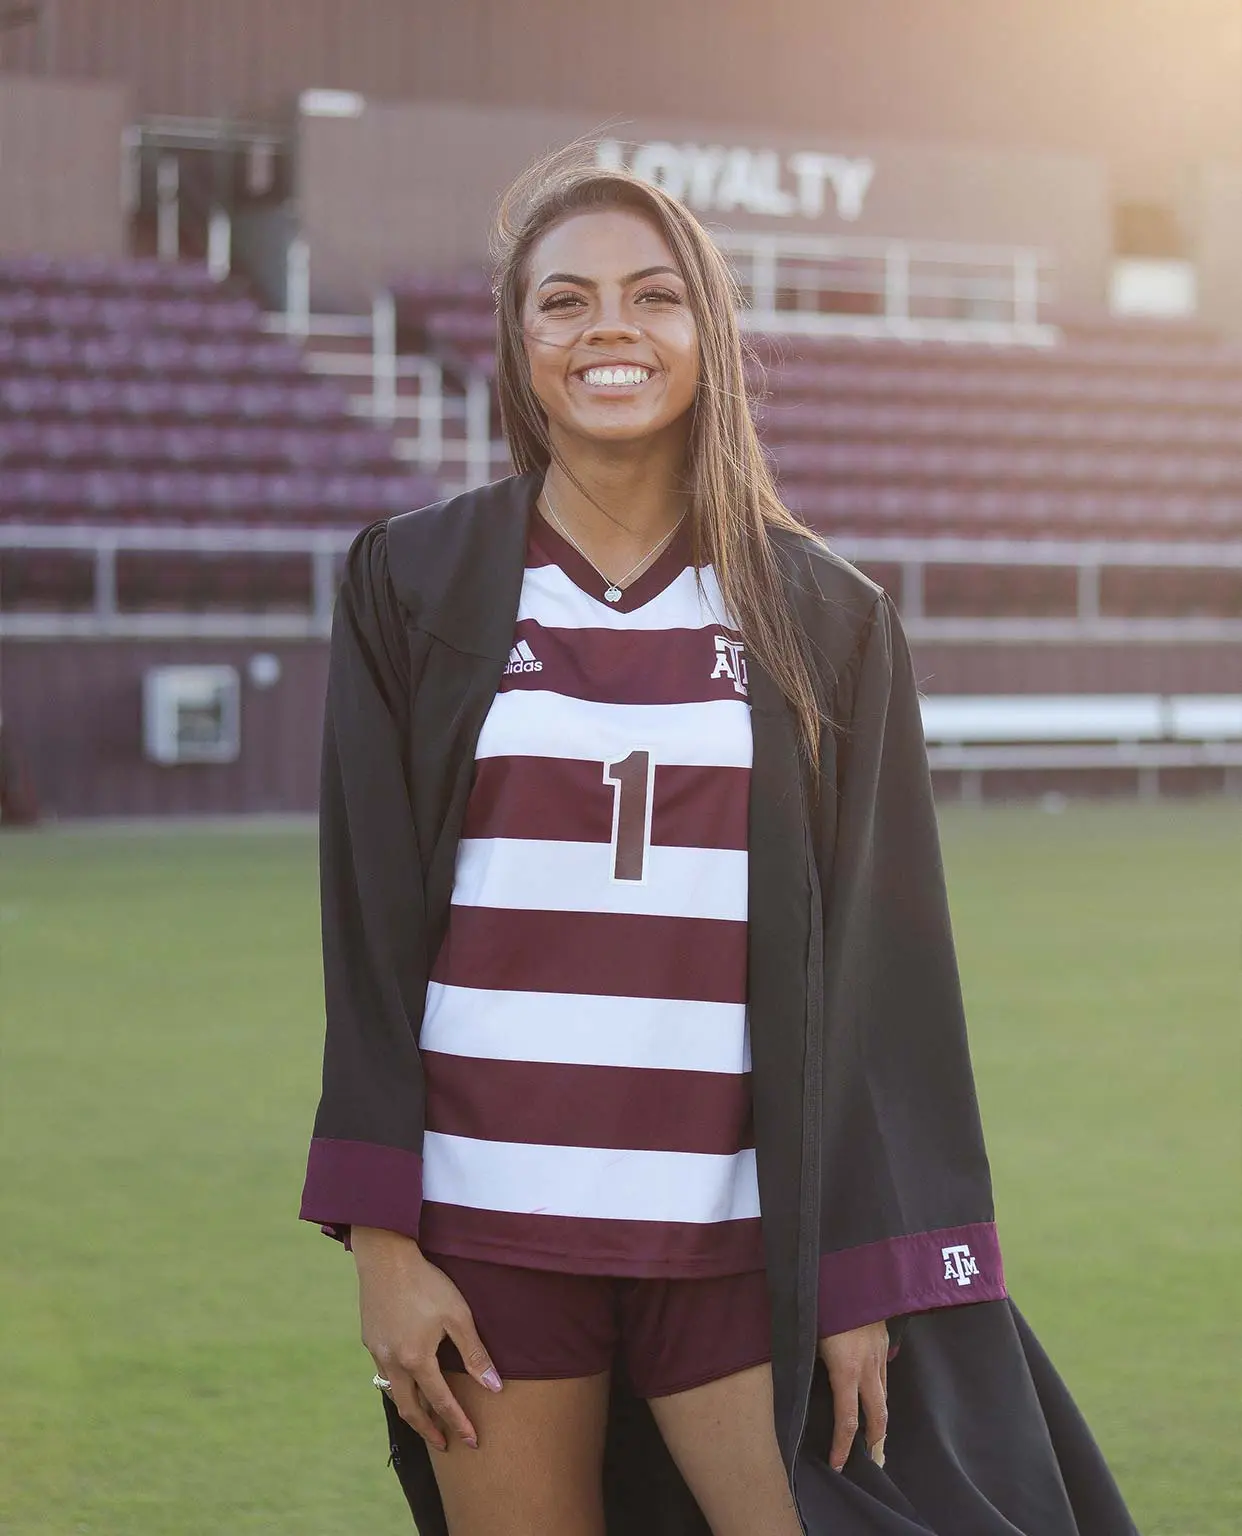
[[611, 323]]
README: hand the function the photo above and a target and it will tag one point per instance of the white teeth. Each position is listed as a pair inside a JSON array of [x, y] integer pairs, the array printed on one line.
[[597, 376]]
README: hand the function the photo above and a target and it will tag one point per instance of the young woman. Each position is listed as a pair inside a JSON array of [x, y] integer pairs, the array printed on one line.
[[647, 1106]]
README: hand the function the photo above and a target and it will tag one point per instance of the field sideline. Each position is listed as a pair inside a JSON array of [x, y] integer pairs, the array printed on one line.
[[180, 1357]]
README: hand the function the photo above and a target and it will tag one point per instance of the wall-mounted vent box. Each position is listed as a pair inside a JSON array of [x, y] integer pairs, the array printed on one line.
[[191, 714]]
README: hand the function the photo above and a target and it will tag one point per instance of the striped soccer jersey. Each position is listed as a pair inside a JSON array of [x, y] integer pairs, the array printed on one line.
[[585, 1041]]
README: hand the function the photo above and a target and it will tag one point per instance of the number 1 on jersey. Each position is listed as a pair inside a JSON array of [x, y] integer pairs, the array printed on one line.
[[632, 778]]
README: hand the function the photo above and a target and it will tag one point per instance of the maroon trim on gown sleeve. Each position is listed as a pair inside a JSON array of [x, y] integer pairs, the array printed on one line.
[[362, 1184], [948, 1267]]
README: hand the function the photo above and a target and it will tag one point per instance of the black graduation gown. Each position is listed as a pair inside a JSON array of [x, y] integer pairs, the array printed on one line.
[[873, 1178]]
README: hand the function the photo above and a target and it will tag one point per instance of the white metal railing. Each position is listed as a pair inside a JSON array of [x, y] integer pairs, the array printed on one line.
[[102, 543], [382, 366], [969, 737], [297, 287], [1087, 558], [910, 290], [446, 432], [105, 619], [913, 290]]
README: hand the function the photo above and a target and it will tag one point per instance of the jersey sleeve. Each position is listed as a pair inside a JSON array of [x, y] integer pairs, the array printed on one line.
[[365, 1163]]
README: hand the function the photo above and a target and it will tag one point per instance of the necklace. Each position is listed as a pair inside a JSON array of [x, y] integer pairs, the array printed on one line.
[[612, 589]]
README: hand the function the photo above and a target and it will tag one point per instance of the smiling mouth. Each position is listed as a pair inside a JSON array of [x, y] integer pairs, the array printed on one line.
[[614, 378]]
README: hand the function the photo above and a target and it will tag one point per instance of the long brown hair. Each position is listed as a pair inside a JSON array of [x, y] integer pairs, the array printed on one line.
[[733, 502]]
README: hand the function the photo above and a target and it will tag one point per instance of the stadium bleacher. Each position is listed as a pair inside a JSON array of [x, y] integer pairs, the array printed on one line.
[[144, 392], [450, 317], [1108, 435]]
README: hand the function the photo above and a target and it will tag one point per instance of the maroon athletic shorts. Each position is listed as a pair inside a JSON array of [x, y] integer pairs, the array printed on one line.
[[664, 1335]]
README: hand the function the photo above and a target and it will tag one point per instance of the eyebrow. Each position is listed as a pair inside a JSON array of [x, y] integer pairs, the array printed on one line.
[[589, 282]]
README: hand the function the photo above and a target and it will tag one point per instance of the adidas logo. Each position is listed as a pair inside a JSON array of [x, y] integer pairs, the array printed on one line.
[[522, 659]]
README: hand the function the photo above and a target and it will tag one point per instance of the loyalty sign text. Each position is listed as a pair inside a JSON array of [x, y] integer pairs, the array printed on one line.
[[711, 178]]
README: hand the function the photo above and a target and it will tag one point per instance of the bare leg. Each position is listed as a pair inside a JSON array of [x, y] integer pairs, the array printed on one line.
[[722, 1438], [537, 1471]]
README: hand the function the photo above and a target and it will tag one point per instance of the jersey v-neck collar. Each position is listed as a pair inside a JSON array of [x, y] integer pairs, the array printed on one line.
[[658, 576]]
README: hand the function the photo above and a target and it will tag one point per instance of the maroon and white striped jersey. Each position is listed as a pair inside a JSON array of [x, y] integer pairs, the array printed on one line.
[[585, 1038]]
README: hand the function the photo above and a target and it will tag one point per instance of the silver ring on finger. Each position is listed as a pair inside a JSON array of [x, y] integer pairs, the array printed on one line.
[[382, 1382]]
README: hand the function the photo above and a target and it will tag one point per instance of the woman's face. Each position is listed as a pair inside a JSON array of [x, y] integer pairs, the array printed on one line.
[[612, 345]]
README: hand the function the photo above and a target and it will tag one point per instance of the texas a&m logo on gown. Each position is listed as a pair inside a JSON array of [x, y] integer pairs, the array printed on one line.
[[959, 1263]]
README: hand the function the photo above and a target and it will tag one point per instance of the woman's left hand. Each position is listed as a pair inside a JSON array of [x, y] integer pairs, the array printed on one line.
[[857, 1364]]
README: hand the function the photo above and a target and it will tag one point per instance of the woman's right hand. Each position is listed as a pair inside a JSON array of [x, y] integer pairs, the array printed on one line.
[[407, 1307]]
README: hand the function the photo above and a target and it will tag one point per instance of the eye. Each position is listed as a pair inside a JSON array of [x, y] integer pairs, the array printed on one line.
[[659, 296], [554, 301]]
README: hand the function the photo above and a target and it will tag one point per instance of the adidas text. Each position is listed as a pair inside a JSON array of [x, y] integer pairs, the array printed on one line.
[[522, 659]]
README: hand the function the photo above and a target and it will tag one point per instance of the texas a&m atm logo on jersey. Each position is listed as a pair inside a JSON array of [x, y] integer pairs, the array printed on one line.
[[730, 663]]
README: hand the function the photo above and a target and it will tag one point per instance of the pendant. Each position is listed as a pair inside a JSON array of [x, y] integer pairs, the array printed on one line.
[[613, 595]]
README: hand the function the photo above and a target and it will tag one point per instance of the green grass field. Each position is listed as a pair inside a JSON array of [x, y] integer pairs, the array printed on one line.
[[180, 1357]]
